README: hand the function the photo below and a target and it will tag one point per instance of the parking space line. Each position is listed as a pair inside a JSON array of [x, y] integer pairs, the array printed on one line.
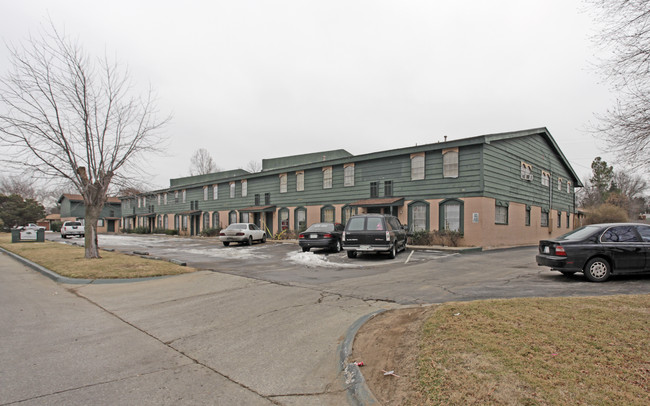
[[409, 258]]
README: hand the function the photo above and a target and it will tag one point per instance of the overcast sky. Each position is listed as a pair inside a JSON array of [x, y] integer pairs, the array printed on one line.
[[249, 80]]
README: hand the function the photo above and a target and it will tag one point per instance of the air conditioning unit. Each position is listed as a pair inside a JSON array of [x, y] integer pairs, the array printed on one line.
[[528, 177]]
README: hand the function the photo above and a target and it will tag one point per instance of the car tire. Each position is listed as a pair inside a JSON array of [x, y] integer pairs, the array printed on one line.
[[352, 254], [264, 238], [597, 270], [337, 247], [226, 243], [250, 240], [305, 249], [393, 251]]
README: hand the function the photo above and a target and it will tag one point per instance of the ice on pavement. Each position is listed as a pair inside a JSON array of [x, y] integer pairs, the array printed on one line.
[[311, 260]]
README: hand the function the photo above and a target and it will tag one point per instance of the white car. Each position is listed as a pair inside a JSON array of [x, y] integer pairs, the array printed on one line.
[[32, 226], [243, 233], [72, 228]]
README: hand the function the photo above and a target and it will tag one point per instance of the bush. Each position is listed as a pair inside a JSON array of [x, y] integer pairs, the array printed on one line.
[[606, 213], [285, 235], [137, 230], [56, 226], [420, 238], [165, 231], [211, 232], [444, 238]]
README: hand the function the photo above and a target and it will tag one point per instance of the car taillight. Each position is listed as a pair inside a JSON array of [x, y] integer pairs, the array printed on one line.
[[559, 250], [387, 236], [239, 234], [301, 236], [327, 235], [222, 233]]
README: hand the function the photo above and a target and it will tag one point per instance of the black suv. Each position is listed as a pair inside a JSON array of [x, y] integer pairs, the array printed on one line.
[[370, 233]]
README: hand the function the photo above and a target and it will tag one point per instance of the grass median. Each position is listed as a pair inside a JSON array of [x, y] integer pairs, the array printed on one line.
[[543, 351], [67, 260]]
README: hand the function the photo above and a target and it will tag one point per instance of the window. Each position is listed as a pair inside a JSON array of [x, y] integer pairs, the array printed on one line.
[[176, 199], [568, 219], [257, 199], [327, 177], [284, 219], [546, 179], [417, 166], [267, 198], [526, 171], [215, 192], [176, 224], [205, 193], [544, 219], [501, 213], [300, 181], [347, 212], [620, 234], [559, 183], [300, 219], [348, 175], [374, 189], [418, 216], [451, 215], [450, 163], [206, 221], [100, 222], [139, 202], [232, 190], [159, 198], [232, 217], [528, 215], [559, 219], [244, 217], [184, 222], [388, 188], [568, 187], [165, 199], [244, 188], [327, 214], [184, 193], [215, 220], [165, 222], [283, 183]]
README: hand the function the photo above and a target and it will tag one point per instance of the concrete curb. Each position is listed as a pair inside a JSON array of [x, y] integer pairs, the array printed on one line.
[[73, 281], [358, 392]]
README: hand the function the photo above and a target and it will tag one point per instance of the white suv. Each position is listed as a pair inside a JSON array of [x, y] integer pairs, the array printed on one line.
[[72, 228]]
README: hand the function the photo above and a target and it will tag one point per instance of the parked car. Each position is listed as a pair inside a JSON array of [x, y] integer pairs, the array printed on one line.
[[32, 226], [70, 228], [374, 233], [322, 235], [242, 233], [599, 250]]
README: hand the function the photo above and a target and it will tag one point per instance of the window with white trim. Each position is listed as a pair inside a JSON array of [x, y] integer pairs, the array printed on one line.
[[205, 193], [165, 199], [559, 183], [300, 181], [159, 198], [283, 183], [327, 177], [215, 192], [244, 188], [348, 175], [568, 187], [526, 171], [500, 214], [176, 198], [450, 163], [546, 179], [232, 190], [184, 194], [417, 166]]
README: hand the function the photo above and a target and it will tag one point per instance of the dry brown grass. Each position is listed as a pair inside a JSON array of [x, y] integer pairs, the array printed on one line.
[[547, 351], [69, 261]]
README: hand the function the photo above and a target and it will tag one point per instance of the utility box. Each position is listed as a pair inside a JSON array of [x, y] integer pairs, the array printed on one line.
[[27, 235]]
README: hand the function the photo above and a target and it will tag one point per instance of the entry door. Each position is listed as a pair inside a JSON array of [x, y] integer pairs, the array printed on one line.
[[110, 226]]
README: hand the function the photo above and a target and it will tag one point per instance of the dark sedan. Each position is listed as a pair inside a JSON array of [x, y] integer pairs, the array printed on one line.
[[599, 250], [321, 235]]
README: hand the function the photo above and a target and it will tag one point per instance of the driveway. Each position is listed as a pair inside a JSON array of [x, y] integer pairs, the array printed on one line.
[[260, 325]]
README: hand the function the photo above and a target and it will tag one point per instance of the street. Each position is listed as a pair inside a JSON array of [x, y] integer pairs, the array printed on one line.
[[258, 325]]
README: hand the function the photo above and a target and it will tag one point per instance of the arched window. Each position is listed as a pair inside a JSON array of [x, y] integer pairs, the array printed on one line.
[[451, 215], [418, 216], [232, 217], [327, 214], [206, 221], [450, 163], [300, 219], [347, 211], [215, 220], [283, 219]]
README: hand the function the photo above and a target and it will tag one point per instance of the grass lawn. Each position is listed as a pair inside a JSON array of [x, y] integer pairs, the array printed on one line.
[[69, 261], [542, 351]]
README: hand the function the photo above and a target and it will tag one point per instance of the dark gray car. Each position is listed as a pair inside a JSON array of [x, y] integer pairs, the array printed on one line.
[[374, 233]]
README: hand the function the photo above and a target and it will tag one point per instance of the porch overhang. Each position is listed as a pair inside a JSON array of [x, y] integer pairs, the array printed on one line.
[[191, 213], [257, 209], [147, 215], [382, 202]]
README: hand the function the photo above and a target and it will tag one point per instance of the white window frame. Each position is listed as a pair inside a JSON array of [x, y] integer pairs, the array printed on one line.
[[232, 190], [205, 192], [559, 184], [215, 192], [165, 199], [327, 177], [568, 187], [450, 163], [300, 181], [546, 179], [348, 175], [417, 166], [283, 182], [526, 171], [184, 195], [244, 188]]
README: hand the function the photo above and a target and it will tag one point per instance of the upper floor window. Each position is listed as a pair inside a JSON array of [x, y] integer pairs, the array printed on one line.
[[546, 179], [300, 181], [559, 183], [159, 198], [165, 199], [450, 163], [327, 177], [257, 199], [176, 196], [232, 190], [215, 192], [388, 188], [417, 166], [568, 187], [205, 193], [374, 189], [267, 198], [184, 193], [348, 175], [526, 171], [283, 183], [244, 188]]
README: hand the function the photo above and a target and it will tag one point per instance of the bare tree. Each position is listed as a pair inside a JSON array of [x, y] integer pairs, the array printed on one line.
[[66, 115], [625, 38], [18, 185], [253, 166], [202, 163]]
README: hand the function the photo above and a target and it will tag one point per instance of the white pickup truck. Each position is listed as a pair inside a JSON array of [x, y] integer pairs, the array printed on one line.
[[72, 228]]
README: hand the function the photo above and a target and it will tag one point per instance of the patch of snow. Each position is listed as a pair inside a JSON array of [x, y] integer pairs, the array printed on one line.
[[311, 260]]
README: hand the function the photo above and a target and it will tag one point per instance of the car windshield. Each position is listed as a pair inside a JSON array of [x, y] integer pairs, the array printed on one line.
[[580, 233], [73, 223], [320, 227], [237, 227]]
